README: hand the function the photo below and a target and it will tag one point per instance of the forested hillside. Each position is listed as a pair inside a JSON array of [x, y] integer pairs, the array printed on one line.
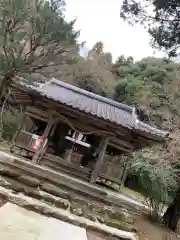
[[162, 21], [148, 84], [153, 86]]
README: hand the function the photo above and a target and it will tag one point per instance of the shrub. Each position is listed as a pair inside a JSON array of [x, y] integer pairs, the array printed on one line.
[[156, 181], [10, 122]]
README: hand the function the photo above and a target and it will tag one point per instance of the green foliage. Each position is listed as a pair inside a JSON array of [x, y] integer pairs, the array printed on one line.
[[33, 36], [128, 90], [142, 83], [153, 85], [156, 181], [10, 124], [163, 23], [90, 83]]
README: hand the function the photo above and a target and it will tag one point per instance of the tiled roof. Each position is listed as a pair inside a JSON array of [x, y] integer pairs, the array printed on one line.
[[95, 105]]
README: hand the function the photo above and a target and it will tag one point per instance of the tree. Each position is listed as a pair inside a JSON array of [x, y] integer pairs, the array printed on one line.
[[143, 84], [98, 48], [172, 215], [33, 37], [91, 73], [121, 61], [160, 17], [102, 59], [87, 74], [154, 179], [163, 24], [153, 85]]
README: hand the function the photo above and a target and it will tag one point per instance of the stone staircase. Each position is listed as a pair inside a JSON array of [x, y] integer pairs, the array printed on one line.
[[61, 191], [18, 167], [63, 167], [66, 183]]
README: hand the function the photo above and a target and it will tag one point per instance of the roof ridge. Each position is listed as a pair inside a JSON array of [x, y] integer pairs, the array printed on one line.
[[89, 94]]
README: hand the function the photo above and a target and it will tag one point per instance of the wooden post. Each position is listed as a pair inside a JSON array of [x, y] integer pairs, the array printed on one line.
[[18, 130], [53, 128], [102, 151], [124, 175], [45, 135]]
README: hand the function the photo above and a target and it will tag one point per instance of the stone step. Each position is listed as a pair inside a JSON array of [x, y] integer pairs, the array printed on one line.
[[65, 169], [43, 208], [52, 195], [64, 163], [63, 183], [59, 177], [67, 183]]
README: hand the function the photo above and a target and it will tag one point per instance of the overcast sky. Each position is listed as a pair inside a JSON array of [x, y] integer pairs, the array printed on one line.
[[99, 20]]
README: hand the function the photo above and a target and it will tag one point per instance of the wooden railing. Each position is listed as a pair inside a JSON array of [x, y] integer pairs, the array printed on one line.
[[112, 168], [24, 140]]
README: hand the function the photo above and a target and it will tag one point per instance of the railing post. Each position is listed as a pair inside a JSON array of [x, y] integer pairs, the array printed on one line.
[[125, 171], [44, 136], [18, 130], [102, 151]]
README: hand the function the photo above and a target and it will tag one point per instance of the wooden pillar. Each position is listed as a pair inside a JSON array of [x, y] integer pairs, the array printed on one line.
[[102, 151], [52, 130], [18, 130], [44, 136], [126, 166]]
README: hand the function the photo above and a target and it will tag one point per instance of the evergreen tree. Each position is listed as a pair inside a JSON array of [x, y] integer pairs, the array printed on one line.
[[160, 17], [33, 36]]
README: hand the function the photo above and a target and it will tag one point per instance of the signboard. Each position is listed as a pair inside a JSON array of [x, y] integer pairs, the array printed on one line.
[[36, 142]]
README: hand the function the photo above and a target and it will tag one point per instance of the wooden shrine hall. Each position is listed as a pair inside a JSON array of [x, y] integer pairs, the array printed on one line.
[[77, 132]]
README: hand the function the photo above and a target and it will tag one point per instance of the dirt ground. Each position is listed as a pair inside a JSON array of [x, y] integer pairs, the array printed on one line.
[[150, 231], [97, 236]]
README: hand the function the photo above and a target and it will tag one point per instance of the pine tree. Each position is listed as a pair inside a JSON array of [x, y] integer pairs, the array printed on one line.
[[33, 36]]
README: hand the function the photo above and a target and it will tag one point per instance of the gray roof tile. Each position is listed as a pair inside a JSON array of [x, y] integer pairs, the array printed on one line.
[[95, 105]]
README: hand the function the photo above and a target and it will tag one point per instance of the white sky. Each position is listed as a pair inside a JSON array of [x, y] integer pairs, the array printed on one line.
[[99, 20]]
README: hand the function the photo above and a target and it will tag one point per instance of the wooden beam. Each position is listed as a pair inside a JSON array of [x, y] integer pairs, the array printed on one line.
[[44, 136], [102, 151], [85, 129], [40, 114], [118, 143], [37, 112], [60, 107], [120, 147], [35, 116], [95, 123]]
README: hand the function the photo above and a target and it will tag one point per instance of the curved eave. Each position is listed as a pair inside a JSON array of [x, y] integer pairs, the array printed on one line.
[[137, 127]]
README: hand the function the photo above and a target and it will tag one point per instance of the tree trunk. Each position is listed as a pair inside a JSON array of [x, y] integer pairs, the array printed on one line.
[[172, 213]]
